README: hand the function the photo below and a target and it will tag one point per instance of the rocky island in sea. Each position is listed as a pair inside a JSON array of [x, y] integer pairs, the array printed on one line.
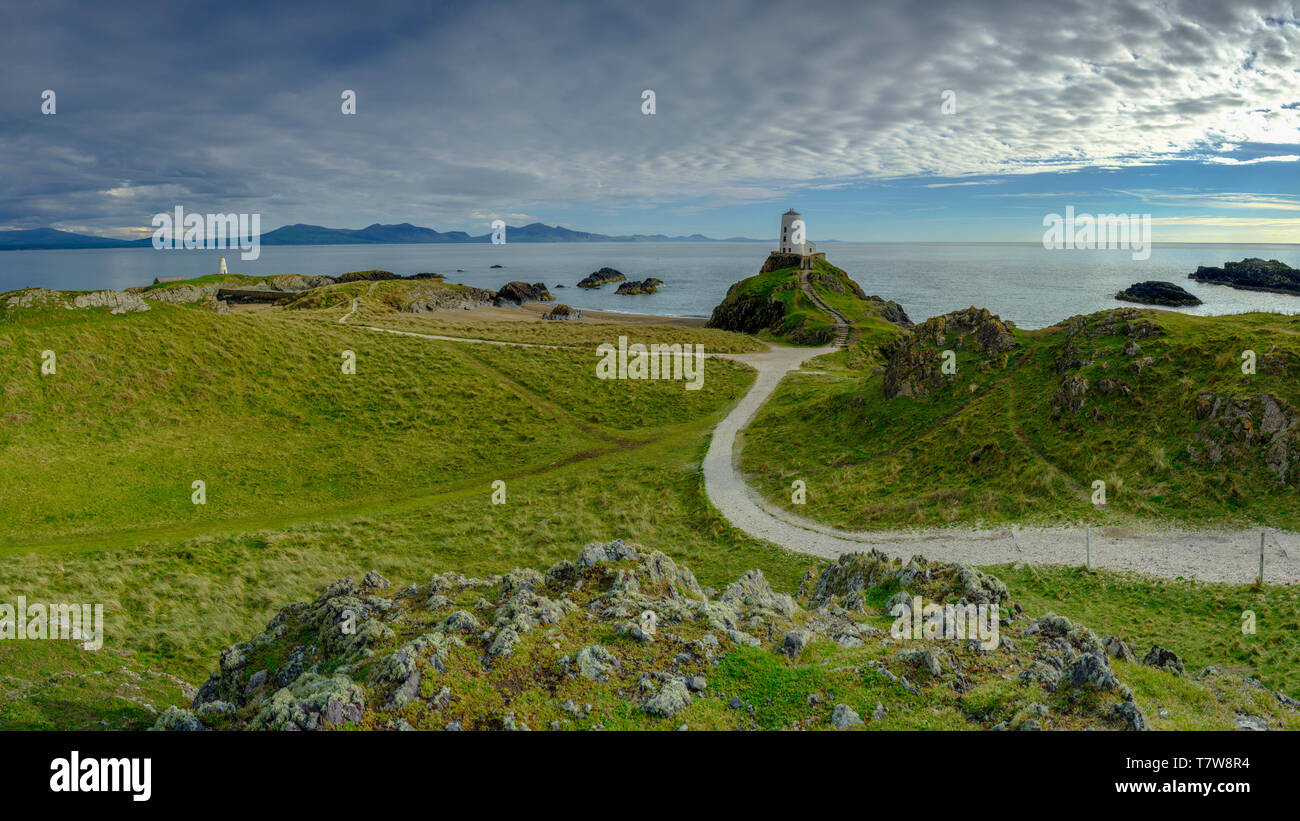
[[598, 278], [1252, 274], [649, 285], [1154, 292]]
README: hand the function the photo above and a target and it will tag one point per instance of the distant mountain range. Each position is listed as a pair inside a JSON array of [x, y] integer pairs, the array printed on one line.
[[52, 238]]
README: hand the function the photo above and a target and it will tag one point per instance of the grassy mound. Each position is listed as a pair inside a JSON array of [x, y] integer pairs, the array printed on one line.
[[413, 296], [1153, 403], [774, 304]]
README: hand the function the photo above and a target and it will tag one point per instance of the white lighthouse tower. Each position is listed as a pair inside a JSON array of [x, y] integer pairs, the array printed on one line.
[[222, 269], [788, 220], [792, 244]]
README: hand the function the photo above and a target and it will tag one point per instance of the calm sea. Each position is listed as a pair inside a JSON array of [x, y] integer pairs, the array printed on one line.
[[1025, 283]]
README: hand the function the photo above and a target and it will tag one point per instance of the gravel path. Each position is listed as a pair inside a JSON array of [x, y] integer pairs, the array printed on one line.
[[1215, 555]]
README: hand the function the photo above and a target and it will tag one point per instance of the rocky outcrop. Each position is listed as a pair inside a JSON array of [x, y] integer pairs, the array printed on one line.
[[1155, 292], [1252, 274], [1237, 427], [1088, 341], [183, 294], [598, 278], [746, 312], [299, 282], [1163, 659], [521, 293], [620, 633], [776, 261], [434, 296], [913, 367], [891, 311], [117, 302], [649, 285], [366, 276]]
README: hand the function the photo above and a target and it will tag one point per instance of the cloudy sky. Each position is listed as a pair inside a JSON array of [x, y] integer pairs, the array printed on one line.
[[470, 111]]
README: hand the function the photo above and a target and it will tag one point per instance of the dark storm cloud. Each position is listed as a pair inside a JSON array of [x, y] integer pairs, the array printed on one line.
[[470, 110]]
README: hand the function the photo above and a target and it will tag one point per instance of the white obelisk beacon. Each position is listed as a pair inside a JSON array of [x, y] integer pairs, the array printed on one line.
[[223, 270]]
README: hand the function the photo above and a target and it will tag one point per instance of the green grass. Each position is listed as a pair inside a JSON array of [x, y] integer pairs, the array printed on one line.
[[802, 322], [312, 475], [987, 449], [1199, 621], [55, 684], [209, 279], [177, 602], [256, 406]]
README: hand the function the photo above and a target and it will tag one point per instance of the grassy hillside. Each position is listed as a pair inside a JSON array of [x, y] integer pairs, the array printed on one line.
[[1153, 403], [257, 407], [312, 475]]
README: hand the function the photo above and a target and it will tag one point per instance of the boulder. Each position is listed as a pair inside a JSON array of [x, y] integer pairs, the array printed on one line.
[[176, 719], [672, 698], [793, 643], [844, 717], [520, 293], [596, 663], [1089, 671], [1162, 659], [562, 312], [1116, 647]]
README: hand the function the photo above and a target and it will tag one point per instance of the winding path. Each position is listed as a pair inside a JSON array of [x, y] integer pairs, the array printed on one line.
[[1221, 556]]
